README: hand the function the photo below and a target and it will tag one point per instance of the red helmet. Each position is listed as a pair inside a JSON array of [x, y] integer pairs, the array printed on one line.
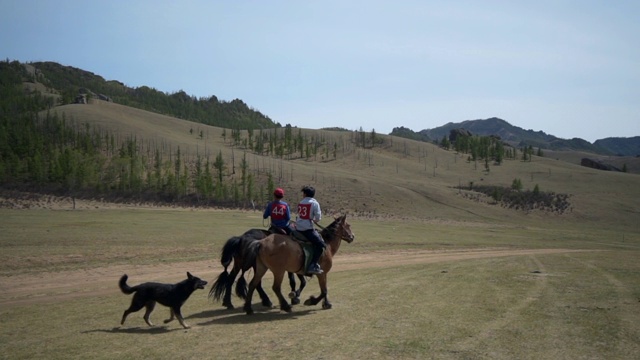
[[279, 193]]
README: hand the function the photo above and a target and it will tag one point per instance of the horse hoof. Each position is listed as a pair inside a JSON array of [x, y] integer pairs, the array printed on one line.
[[248, 310], [228, 306], [326, 306], [308, 302], [292, 295], [268, 304], [286, 308], [295, 301]]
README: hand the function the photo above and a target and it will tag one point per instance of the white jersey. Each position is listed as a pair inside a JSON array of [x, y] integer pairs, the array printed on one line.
[[308, 211]]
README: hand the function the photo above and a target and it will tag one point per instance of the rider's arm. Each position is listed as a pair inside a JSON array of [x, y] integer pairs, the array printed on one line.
[[267, 211], [317, 213]]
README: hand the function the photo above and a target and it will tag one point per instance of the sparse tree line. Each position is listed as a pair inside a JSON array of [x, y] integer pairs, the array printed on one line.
[[487, 148], [291, 143], [516, 198], [50, 154]]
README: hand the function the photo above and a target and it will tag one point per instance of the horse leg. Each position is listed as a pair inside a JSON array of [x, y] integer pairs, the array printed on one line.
[[260, 270], [303, 283], [226, 300], [266, 302], [277, 288], [312, 300], [293, 295]]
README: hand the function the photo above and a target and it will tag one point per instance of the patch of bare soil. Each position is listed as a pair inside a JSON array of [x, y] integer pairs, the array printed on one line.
[[53, 287]]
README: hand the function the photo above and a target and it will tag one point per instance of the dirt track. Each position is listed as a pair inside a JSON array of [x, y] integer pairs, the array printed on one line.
[[51, 287]]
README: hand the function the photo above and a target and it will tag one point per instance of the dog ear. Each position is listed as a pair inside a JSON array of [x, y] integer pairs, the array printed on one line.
[[189, 275]]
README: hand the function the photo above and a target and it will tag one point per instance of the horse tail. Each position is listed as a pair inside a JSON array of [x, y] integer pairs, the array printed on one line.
[[229, 250], [219, 286], [241, 287], [250, 254]]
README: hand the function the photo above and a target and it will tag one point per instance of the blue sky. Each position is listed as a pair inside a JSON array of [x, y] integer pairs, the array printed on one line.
[[568, 68]]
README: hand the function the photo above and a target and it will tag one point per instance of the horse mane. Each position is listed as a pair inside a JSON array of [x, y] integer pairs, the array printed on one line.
[[329, 232]]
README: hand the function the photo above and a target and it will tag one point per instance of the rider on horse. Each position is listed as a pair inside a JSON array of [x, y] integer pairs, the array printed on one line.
[[309, 213], [279, 212]]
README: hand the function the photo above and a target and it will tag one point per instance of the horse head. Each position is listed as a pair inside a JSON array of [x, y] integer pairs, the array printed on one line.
[[345, 229]]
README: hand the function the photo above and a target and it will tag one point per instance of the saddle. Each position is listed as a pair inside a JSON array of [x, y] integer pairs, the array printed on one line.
[[305, 244]]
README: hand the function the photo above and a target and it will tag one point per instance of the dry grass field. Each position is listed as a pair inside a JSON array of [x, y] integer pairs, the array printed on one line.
[[403, 289], [434, 272]]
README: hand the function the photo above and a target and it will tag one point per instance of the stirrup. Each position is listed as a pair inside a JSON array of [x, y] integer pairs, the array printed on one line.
[[314, 270]]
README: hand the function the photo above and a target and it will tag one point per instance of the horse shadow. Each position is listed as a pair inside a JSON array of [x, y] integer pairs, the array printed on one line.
[[238, 316], [213, 313]]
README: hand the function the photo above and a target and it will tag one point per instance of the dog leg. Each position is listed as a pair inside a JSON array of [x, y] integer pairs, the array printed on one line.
[[171, 317], [150, 305], [135, 306], [124, 316], [177, 313]]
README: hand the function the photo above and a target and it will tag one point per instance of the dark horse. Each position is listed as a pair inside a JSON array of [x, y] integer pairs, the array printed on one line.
[[280, 253], [233, 250]]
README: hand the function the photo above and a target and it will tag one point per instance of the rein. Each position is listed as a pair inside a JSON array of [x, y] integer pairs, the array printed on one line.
[[320, 226], [335, 231]]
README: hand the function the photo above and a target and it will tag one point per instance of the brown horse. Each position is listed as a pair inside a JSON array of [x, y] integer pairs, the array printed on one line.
[[280, 253]]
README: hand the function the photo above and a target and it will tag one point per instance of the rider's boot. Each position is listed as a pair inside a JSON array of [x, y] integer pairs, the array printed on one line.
[[314, 267]]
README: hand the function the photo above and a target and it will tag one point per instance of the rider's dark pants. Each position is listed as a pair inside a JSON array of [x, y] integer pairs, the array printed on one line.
[[317, 242]]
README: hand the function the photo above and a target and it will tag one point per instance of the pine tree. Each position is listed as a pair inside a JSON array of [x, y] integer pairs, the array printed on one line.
[[244, 166], [219, 165], [516, 184]]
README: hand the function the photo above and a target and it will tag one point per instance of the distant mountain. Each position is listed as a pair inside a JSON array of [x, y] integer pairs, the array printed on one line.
[[621, 146], [410, 134], [519, 137]]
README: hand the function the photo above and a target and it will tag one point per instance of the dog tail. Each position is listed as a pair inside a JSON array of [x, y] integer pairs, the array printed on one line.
[[124, 287]]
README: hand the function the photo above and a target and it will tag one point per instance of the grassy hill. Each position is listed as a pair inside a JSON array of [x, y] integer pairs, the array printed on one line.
[[66, 83], [401, 178]]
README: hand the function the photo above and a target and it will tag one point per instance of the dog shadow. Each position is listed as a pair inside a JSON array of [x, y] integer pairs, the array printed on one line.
[[217, 317], [136, 330]]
